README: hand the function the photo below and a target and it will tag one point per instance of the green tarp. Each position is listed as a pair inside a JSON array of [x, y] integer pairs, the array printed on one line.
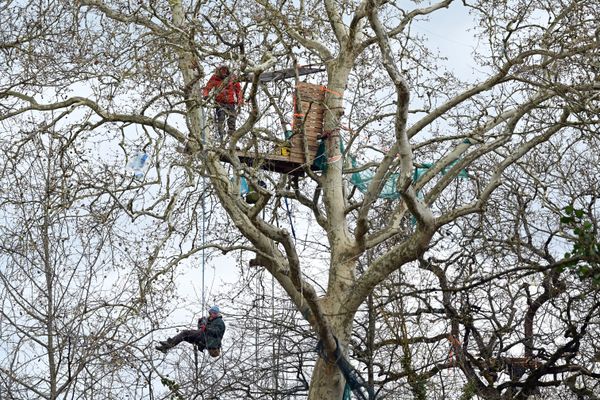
[[363, 179]]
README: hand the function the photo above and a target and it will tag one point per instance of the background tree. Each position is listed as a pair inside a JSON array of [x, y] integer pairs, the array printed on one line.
[[75, 314], [443, 265]]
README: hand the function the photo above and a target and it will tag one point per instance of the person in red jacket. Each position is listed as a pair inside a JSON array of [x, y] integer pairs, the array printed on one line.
[[228, 96]]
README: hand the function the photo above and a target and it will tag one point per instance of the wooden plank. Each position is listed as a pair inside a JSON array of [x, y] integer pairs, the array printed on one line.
[[284, 73], [311, 101], [310, 92], [298, 159], [311, 147], [312, 97], [272, 162]]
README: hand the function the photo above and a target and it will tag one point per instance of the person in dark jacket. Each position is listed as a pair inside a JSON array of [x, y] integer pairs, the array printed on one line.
[[208, 335], [228, 96]]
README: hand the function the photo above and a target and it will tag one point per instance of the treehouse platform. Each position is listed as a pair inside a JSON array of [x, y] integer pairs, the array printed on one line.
[[307, 128]]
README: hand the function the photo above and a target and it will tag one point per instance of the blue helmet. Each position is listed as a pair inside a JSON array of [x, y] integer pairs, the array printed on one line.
[[214, 309]]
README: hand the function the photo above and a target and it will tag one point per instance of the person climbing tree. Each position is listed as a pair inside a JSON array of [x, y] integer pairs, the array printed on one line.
[[208, 335], [228, 97]]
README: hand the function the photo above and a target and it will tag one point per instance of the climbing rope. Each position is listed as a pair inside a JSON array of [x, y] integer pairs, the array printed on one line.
[[289, 213]]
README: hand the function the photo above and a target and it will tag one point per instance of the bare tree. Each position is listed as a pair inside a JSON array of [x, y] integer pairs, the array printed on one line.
[[73, 320], [136, 70]]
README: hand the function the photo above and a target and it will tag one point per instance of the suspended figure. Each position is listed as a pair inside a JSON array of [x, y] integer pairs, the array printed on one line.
[[228, 98], [208, 335]]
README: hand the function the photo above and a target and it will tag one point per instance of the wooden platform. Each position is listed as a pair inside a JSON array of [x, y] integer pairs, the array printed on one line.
[[286, 73], [307, 127], [272, 162]]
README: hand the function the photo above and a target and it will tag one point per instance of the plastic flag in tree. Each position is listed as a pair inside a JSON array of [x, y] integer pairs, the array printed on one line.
[[285, 150], [137, 163], [244, 189], [288, 131]]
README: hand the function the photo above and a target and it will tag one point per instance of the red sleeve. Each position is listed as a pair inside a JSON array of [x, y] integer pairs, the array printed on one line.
[[212, 82], [238, 93]]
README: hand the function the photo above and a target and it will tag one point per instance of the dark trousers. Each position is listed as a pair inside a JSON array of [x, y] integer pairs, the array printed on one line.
[[225, 112], [193, 336]]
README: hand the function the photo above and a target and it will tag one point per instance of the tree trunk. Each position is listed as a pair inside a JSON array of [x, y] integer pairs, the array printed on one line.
[[327, 382]]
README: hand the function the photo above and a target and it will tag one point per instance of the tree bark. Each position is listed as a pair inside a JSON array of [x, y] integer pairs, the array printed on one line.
[[327, 382]]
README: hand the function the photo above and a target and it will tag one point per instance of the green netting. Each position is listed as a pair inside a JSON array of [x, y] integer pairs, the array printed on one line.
[[320, 161], [347, 392], [362, 179]]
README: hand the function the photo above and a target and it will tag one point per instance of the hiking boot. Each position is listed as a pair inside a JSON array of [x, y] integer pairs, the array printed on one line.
[[164, 346]]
